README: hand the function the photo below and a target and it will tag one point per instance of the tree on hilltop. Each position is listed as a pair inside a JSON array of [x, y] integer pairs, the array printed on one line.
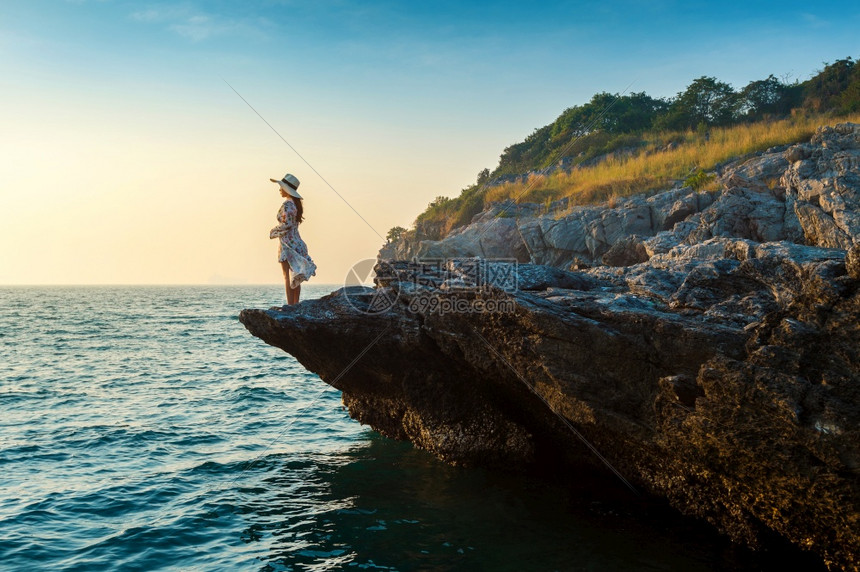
[[611, 113], [394, 234], [835, 88], [768, 96], [706, 101]]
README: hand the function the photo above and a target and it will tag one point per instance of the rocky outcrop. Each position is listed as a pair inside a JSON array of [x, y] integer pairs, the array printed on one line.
[[708, 354], [728, 384], [808, 194], [852, 262]]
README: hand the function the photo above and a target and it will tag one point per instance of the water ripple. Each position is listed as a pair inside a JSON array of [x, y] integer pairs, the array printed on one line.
[[144, 429]]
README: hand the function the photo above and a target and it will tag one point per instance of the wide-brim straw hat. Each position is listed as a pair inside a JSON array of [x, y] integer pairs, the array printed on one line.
[[289, 184]]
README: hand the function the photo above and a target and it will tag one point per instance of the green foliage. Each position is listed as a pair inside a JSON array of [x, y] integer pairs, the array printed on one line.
[[439, 208], [454, 212], [525, 156], [439, 202], [849, 100], [609, 123], [610, 113], [394, 234], [706, 100], [835, 88], [699, 180], [469, 203], [767, 97], [588, 130], [606, 113]]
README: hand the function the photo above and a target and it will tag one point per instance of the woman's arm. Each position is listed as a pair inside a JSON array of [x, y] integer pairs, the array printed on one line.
[[287, 218], [279, 230]]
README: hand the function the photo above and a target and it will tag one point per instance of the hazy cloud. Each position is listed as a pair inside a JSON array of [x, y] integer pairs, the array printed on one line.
[[815, 21], [197, 25], [151, 15]]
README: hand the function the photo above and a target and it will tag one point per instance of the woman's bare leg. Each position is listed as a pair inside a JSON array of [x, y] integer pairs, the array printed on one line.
[[293, 295], [285, 266]]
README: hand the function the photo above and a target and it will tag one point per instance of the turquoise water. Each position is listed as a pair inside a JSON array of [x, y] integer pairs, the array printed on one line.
[[142, 428]]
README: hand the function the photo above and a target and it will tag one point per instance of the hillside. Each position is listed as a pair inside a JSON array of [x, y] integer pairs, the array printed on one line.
[[618, 145]]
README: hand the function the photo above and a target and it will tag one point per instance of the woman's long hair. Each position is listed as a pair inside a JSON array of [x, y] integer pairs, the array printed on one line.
[[299, 209]]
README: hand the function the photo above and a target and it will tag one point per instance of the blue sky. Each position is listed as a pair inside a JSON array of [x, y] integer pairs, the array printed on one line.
[[445, 59], [393, 102]]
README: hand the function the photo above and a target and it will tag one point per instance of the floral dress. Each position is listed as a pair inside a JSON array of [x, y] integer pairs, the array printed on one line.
[[292, 248]]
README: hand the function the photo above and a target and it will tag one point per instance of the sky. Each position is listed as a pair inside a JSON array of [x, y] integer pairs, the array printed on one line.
[[127, 158]]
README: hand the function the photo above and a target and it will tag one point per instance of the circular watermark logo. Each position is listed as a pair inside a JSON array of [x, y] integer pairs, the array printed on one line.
[[358, 291]]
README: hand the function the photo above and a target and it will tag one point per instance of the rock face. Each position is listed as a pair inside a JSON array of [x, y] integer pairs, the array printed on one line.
[[709, 357], [728, 385], [808, 193]]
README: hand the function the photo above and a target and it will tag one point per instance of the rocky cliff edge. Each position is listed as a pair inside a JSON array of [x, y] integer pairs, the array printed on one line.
[[714, 363]]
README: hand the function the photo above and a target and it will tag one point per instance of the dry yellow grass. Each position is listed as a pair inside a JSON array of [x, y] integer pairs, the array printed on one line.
[[657, 166]]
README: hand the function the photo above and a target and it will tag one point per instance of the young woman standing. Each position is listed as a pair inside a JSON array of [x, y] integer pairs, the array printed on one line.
[[292, 252]]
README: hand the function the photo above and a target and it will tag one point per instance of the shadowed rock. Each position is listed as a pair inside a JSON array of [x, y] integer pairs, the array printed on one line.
[[727, 386]]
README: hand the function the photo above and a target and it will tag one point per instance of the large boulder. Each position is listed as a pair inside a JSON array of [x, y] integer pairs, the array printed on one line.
[[626, 252], [823, 185]]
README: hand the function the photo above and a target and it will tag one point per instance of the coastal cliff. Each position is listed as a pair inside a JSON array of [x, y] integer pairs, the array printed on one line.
[[706, 350], [806, 193]]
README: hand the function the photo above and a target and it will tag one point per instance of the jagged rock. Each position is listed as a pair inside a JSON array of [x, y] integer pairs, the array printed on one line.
[[742, 213], [537, 277], [662, 242], [579, 264], [569, 234], [819, 228], [824, 187], [764, 167], [680, 210], [619, 223], [852, 262], [808, 193], [491, 238], [797, 153], [626, 252], [711, 249], [670, 207]]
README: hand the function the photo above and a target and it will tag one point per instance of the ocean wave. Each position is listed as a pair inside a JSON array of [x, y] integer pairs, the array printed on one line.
[[144, 429]]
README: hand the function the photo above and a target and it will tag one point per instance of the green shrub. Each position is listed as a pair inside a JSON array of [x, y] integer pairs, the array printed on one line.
[[395, 234], [699, 180]]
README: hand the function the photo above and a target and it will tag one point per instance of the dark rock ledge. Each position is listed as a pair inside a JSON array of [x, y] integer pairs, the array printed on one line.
[[711, 355], [728, 387]]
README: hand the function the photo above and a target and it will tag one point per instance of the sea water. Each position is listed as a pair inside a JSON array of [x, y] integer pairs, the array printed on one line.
[[143, 428]]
